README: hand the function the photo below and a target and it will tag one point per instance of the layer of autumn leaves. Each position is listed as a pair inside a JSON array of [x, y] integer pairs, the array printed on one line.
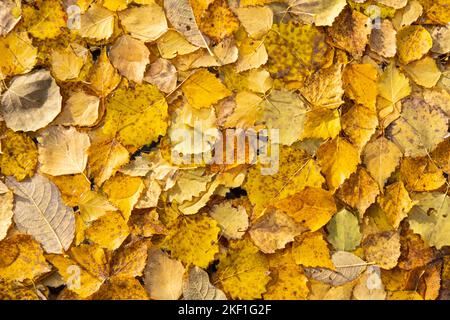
[[92, 206]]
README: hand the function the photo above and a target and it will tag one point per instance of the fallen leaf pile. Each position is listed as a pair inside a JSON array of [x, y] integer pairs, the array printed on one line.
[[354, 203]]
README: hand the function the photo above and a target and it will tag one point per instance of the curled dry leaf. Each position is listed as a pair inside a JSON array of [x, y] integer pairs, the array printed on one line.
[[31, 102]]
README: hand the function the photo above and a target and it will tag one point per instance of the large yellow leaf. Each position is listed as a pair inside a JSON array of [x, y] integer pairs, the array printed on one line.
[[193, 240], [243, 272], [203, 89], [136, 117], [338, 159]]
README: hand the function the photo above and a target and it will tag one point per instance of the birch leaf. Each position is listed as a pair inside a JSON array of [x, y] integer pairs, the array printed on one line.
[[39, 211], [63, 151], [31, 102]]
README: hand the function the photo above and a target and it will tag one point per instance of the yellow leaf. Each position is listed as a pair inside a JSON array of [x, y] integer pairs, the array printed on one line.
[[97, 23], [393, 85], [130, 57], [311, 207], [321, 13], [218, 21], [146, 23], [350, 32], [359, 124], [295, 51], [288, 280], [140, 124], [233, 221], [84, 270], [360, 84], [413, 42], [124, 192], [338, 159], [103, 78], [108, 231], [19, 155], [203, 89], [163, 276], [66, 63], [63, 151], [6, 209], [359, 191], [424, 72], [18, 54], [274, 230], [193, 240], [72, 187], [172, 44], [396, 203], [296, 171], [420, 129], [257, 21], [243, 272], [322, 124], [284, 111], [21, 258], [93, 205], [45, 20], [383, 249], [381, 156], [105, 158], [311, 250], [421, 174], [323, 89]]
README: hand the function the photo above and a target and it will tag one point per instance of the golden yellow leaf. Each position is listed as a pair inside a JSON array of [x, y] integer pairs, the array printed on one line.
[[288, 280], [396, 203], [203, 89], [311, 207], [44, 20], [243, 272], [124, 192], [360, 84], [18, 54], [381, 156], [143, 123], [103, 78], [130, 57], [21, 258], [294, 50], [108, 231], [413, 42], [311, 250], [63, 151], [19, 155], [296, 171], [193, 240], [338, 159]]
